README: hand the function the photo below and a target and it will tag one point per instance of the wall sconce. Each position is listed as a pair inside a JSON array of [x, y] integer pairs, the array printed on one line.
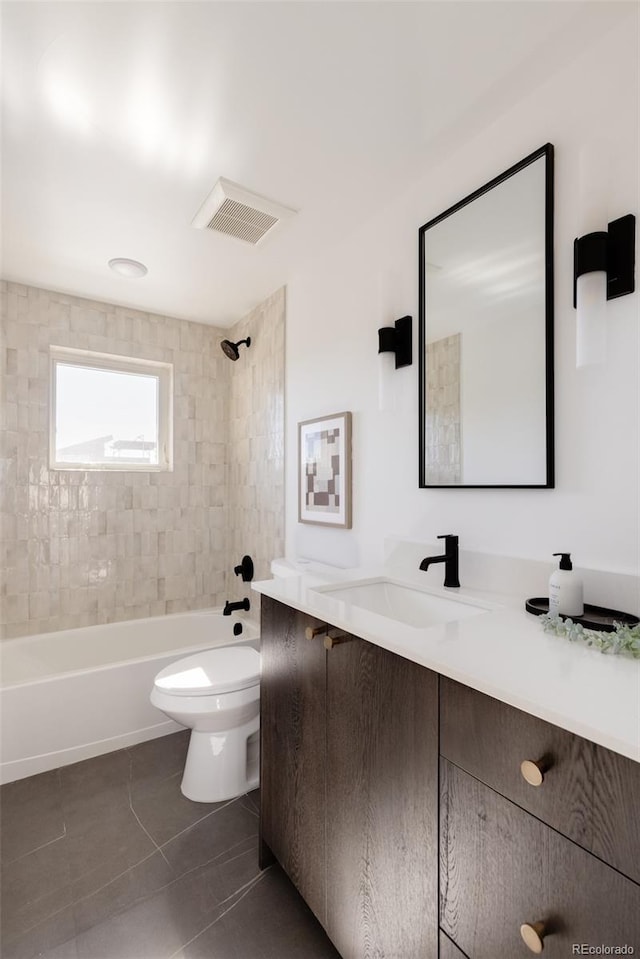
[[603, 269], [395, 350], [397, 339]]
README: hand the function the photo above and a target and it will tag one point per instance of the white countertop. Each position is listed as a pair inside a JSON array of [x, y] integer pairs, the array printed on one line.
[[502, 652]]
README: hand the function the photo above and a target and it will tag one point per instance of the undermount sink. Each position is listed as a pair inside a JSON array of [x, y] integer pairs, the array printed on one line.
[[400, 602]]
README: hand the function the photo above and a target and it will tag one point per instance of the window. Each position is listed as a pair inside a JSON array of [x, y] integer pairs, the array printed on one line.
[[109, 412]]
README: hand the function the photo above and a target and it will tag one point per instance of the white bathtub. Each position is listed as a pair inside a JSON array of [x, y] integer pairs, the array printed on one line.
[[77, 693]]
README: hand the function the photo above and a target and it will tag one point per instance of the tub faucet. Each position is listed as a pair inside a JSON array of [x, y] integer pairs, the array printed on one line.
[[449, 558], [232, 607]]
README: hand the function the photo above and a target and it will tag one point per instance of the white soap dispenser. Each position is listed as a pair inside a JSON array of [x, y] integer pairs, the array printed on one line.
[[565, 589]]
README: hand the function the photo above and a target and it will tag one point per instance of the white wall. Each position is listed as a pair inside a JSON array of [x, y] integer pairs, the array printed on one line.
[[334, 309], [502, 407]]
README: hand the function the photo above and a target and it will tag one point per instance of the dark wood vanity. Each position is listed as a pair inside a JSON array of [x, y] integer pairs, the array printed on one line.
[[396, 801]]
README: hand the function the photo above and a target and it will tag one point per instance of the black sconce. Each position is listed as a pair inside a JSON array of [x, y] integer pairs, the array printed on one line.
[[611, 252], [397, 339]]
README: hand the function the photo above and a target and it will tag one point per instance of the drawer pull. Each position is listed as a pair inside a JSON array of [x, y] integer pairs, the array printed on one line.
[[331, 641], [533, 772], [533, 933], [312, 631]]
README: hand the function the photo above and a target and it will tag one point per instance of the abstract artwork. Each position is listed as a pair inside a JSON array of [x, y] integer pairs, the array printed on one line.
[[324, 470]]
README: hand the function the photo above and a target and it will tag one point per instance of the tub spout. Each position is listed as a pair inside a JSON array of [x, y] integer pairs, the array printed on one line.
[[233, 607]]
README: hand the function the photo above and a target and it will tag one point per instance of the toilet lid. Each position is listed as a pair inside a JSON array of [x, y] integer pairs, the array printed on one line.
[[211, 671]]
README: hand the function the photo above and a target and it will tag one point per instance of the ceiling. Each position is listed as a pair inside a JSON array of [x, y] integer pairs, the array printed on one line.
[[118, 118]]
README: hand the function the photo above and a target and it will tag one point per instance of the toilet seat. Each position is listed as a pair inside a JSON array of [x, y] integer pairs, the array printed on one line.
[[211, 672]]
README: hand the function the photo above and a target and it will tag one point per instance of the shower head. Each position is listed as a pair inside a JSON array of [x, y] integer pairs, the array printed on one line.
[[231, 349]]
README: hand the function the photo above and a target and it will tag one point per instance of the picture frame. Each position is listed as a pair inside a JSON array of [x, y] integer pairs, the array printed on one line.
[[324, 471]]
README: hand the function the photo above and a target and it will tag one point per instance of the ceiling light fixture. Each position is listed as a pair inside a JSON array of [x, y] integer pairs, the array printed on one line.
[[132, 269]]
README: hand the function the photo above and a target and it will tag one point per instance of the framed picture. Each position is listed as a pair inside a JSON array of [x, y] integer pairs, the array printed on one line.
[[324, 471]]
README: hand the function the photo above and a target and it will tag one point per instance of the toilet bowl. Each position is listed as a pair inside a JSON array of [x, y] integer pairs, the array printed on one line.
[[216, 694]]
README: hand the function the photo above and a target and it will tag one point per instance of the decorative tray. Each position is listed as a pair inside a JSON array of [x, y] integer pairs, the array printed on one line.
[[594, 617]]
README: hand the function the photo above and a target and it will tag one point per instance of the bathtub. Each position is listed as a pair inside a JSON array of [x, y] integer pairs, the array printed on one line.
[[78, 693]]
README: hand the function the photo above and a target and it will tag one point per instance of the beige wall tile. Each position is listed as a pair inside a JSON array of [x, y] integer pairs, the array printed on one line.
[[85, 547], [255, 466]]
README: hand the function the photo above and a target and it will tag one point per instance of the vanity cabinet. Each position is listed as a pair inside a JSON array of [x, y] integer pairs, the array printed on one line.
[[397, 802], [349, 785]]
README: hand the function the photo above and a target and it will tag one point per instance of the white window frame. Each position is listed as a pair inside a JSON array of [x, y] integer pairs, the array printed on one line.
[[116, 364]]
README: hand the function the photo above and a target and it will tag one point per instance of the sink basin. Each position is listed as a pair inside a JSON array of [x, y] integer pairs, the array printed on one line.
[[402, 603]]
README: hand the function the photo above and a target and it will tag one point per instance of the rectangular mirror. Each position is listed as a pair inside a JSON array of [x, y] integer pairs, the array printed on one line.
[[486, 334]]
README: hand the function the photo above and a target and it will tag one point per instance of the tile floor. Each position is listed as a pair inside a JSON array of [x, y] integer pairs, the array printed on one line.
[[106, 859]]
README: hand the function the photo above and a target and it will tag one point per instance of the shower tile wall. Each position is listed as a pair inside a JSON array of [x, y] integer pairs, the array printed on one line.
[[79, 548], [256, 447]]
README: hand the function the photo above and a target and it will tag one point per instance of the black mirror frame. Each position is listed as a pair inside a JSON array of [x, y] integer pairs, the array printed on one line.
[[547, 152]]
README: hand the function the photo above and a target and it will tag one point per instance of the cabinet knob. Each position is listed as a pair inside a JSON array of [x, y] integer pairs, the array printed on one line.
[[312, 631], [331, 641], [533, 772], [533, 935]]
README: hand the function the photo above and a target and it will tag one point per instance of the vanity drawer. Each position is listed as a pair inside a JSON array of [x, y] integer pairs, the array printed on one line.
[[502, 868], [586, 792]]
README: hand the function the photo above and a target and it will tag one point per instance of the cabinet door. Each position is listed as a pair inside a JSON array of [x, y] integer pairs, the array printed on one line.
[[501, 868], [292, 711], [448, 950], [616, 805], [381, 810]]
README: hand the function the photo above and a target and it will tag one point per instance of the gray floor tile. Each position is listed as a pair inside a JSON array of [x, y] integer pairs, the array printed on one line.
[[224, 827], [46, 935], [31, 814], [268, 921], [158, 759], [105, 890], [135, 885], [67, 950], [156, 774], [251, 804], [232, 870], [156, 927], [99, 849], [34, 887], [164, 811], [152, 929], [96, 784]]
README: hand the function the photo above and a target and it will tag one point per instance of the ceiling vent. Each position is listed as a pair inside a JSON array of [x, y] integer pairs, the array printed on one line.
[[234, 211]]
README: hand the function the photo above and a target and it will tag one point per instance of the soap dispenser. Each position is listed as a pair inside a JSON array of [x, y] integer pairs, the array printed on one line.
[[565, 589]]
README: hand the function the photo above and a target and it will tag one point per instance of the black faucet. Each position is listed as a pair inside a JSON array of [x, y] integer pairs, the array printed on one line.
[[233, 607], [449, 558]]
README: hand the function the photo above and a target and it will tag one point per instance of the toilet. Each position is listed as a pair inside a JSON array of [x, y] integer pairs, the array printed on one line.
[[215, 693]]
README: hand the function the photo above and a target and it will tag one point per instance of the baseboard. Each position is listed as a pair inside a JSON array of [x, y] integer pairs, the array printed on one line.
[[32, 765]]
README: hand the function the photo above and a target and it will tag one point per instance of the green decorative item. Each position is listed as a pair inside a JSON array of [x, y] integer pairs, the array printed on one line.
[[623, 641]]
